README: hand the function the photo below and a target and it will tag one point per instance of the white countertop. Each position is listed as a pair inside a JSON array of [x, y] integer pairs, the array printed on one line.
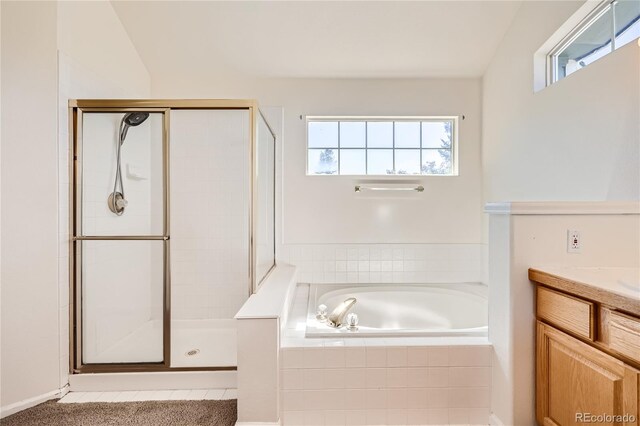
[[622, 281]]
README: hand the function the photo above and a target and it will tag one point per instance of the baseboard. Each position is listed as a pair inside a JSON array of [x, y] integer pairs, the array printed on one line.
[[32, 402], [494, 420]]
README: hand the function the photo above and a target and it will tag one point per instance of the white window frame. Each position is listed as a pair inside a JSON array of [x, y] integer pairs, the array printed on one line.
[[606, 6], [454, 143]]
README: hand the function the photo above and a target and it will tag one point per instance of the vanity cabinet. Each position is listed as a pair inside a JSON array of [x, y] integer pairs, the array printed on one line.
[[587, 357], [573, 377]]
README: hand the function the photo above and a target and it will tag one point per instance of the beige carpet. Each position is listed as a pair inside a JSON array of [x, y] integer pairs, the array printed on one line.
[[152, 413]]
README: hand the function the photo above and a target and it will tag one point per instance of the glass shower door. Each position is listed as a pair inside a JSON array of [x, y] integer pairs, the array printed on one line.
[[144, 297], [264, 241], [122, 287], [121, 237], [210, 228]]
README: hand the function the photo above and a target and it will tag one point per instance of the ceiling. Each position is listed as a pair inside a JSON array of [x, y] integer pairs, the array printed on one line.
[[323, 39]]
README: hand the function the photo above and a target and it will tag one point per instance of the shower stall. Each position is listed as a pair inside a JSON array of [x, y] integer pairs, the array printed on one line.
[[172, 222]]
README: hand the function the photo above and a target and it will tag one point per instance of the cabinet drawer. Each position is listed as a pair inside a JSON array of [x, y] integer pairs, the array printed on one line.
[[566, 312], [624, 335]]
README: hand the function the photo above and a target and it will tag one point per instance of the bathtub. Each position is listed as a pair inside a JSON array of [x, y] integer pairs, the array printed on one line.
[[392, 310]]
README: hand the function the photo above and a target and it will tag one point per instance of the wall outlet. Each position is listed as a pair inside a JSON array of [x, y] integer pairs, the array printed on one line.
[[574, 241]]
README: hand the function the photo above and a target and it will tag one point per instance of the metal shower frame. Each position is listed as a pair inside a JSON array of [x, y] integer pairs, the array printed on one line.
[[77, 108]]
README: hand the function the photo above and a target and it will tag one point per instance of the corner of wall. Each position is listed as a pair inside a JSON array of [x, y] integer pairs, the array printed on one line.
[[91, 34], [29, 272]]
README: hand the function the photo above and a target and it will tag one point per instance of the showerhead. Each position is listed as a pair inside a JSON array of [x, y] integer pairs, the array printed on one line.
[[135, 118], [116, 200], [131, 119]]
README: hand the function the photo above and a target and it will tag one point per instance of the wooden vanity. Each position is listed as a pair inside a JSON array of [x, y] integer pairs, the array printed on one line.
[[587, 346]]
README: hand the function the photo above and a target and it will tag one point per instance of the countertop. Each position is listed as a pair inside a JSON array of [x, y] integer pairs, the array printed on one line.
[[614, 286]]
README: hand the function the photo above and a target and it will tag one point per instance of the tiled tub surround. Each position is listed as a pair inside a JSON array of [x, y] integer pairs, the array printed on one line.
[[368, 381], [370, 385], [391, 263]]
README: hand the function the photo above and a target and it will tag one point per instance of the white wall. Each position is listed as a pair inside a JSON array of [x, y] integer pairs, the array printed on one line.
[[325, 209], [29, 346], [95, 59], [86, 32], [525, 235], [91, 33], [320, 217], [578, 139]]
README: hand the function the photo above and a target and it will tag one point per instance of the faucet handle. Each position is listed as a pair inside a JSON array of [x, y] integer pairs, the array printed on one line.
[[321, 313], [352, 321]]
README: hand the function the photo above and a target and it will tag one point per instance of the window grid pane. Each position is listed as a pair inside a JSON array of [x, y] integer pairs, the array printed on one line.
[[338, 125], [333, 156], [610, 26], [408, 162], [380, 134], [352, 161], [352, 134], [393, 143], [366, 148], [323, 161], [380, 162], [420, 148], [627, 22], [323, 134]]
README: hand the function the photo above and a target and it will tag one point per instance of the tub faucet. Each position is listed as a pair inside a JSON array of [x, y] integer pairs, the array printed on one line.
[[337, 316]]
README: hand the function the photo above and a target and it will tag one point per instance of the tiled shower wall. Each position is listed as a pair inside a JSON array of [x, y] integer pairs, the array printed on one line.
[[122, 280], [209, 213], [74, 82], [385, 263]]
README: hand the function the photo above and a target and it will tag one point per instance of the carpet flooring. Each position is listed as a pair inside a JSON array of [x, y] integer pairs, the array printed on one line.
[[144, 413]]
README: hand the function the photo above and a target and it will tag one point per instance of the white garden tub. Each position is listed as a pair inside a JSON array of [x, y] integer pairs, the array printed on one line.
[[392, 310]]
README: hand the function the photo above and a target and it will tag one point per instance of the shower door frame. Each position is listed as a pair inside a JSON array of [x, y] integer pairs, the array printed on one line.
[[259, 280], [77, 107]]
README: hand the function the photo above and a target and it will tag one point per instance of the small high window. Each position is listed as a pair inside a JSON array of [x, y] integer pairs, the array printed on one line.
[[381, 146], [610, 26]]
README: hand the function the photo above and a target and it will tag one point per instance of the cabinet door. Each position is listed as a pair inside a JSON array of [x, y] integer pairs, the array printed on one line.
[[574, 379]]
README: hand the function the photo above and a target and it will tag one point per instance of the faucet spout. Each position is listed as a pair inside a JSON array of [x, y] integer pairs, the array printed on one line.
[[337, 316]]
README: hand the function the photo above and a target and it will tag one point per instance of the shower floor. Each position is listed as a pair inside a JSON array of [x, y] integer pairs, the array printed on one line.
[[215, 341], [194, 343]]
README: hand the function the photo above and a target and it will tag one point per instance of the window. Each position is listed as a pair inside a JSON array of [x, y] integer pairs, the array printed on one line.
[[610, 26], [381, 145]]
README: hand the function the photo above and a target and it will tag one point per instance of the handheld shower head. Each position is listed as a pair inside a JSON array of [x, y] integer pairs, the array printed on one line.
[[131, 119], [135, 118], [116, 201]]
